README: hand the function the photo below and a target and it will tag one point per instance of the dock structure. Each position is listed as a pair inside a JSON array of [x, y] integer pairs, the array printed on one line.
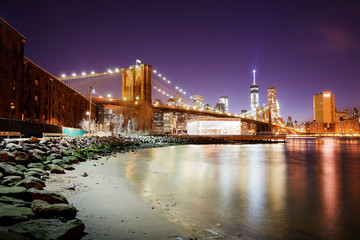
[[268, 138]]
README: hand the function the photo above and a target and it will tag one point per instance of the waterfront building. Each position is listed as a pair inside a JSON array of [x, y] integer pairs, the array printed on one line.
[[198, 101], [225, 101], [342, 115], [347, 126], [214, 126], [324, 107], [254, 96], [354, 113]]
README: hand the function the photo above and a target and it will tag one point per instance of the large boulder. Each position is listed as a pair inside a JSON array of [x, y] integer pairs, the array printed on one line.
[[5, 235], [7, 170], [48, 196], [59, 210], [10, 214], [16, 192], [50, 229]]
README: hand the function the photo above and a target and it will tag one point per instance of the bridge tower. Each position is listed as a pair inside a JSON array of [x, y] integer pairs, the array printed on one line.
[[136, 83]]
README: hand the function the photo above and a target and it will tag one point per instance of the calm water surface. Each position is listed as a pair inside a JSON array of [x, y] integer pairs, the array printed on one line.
[[304, 189]]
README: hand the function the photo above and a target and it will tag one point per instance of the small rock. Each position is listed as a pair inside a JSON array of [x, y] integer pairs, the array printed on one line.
[[85, 174], [56, 169], [34, 139], [218, 224]]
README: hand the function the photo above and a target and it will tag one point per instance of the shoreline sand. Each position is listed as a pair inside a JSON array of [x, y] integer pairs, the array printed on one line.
[[107, 205]]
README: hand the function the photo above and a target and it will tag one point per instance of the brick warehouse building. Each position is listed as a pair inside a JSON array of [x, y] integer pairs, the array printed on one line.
[[30, 97]]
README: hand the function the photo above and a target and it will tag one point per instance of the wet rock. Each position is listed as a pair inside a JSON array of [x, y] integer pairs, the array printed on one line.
[[43, 141], [14, 201], [10, 214], [20, 167], [64, 152], [46, 229], [36, 165], [68, 167], [13, 146], [38, 170], [11, 181], [48, 196], [38, 157], [4, 156], [7, 169], [15, 192], [71, 159], [57, 161], [32, 182], [59, 210], [22, 158], [5, 235], [56, 169]]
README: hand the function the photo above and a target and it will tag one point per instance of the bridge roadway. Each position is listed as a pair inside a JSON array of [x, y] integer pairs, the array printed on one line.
[[116, 103]]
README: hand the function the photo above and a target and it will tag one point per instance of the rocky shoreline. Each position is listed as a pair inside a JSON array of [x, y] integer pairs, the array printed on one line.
[[27, 211]]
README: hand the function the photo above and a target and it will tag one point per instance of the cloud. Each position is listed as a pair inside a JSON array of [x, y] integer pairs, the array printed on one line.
[[330, 39]]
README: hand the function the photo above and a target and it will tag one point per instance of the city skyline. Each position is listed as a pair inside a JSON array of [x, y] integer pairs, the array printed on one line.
[[211, 50]]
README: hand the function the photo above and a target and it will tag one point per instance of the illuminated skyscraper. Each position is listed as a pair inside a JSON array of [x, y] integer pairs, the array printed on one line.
[[225, 101], [254, 96], [324, 107], [273, 102], [198, 101]]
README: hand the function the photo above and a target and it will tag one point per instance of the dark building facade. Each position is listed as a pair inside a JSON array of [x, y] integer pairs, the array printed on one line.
[[27, 92]]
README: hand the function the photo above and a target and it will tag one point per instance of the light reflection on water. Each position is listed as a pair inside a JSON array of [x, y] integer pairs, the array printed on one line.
[[304, 189]]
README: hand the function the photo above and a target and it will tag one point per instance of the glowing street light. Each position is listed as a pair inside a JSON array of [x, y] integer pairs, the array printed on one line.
[[92, 72], [109, 70], [169, 82], [83, 73], [116, 70], [63, 75], [154, 71], [109, 95], [74, 74]]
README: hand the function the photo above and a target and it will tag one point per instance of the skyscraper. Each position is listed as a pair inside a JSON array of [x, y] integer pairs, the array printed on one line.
[[324, 107], [198, 101], [272, 102], [225, 101], [254, 96]]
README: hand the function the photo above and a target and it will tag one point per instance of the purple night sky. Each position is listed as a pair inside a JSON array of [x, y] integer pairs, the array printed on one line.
[[206, 47]]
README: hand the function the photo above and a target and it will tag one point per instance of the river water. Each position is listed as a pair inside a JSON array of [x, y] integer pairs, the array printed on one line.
[[303, 189]]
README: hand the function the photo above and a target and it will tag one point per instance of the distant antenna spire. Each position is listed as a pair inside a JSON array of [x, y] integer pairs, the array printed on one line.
[[254, 71]]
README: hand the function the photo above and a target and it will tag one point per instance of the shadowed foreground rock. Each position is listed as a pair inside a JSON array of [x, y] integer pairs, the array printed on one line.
[[11, 236], [11, 214], [50, 229], [60, 210]]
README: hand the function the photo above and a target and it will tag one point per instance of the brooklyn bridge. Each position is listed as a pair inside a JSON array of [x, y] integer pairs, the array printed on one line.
[[144, 100]]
